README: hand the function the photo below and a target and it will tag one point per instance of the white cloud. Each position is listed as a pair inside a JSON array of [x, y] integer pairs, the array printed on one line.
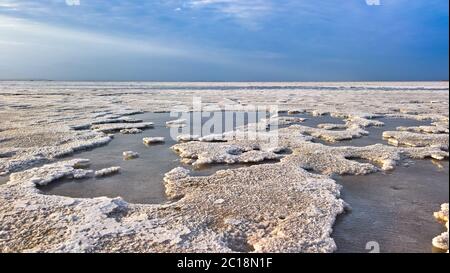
[[8, 4], [73, 2], [11, 43], [248, 12], [373, 2], [24, 31], [37, 50]]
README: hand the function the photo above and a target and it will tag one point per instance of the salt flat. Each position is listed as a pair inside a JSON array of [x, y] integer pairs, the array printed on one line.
[[285, 206]]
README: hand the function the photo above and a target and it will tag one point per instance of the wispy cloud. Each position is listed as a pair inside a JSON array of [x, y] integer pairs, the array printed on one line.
[[49, 51], [373, 2], [248, 12], [22, 31], [9, 4], [221, 39], [73, 2]]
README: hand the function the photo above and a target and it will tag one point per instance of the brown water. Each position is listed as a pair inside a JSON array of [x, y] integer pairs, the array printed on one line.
[[4, 179]]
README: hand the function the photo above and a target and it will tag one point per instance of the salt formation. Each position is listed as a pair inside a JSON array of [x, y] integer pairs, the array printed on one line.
[[442, 215], [306, 154], [425, 129], [153, 140], [332, 136], [318, 113], [362, 122], [49, 173], [186, 138], [107, 171], [114, 119], [297, 220], [129, 155], [277, 120], [209, 153], [82, 174], [441, 241], [176, 123], [25, 157], [111, 128], [131, 131], [280, 206], [106, 119], [331, 126], [213, 138], [397, 138]]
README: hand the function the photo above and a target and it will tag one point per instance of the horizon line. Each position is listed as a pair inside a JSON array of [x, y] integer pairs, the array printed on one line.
[[218, 81]]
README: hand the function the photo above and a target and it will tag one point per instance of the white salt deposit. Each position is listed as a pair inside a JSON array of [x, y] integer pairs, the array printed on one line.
[[153, 140], [107, 171]]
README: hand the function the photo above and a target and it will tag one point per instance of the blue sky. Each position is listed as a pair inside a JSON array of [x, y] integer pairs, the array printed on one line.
[[224, 40]]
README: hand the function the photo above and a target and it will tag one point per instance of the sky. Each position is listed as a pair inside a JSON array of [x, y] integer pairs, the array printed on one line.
[[225, 40]]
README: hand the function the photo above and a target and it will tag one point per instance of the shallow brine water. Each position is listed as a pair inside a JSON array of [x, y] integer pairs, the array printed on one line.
[[140, 180], [376, 132], [4, 179], [313, 121], [393, 209]]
